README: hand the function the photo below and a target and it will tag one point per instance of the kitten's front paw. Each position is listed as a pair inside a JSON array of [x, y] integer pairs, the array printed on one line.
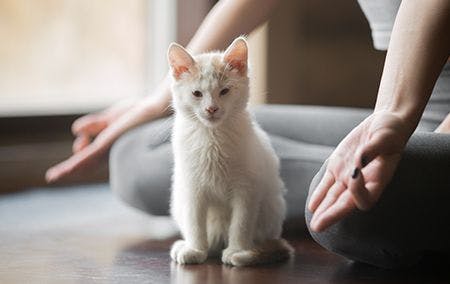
[[176, 248], [227, 255], [183, 254]]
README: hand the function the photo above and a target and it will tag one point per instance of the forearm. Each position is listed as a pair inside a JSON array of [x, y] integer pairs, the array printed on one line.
[[418, 49], [229, 19]]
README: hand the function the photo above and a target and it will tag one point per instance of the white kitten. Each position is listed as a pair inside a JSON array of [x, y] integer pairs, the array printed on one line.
[[227, 192]]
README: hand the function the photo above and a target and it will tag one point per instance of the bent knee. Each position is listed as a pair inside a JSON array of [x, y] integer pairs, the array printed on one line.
[[149, 199], [363, 237], [380, 251]]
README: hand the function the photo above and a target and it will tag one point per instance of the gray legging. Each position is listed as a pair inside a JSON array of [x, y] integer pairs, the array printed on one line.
[[411, 217]]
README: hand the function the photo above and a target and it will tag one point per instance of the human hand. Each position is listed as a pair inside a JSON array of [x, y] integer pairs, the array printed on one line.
[[94, 135], [444, 127], [359, 169]]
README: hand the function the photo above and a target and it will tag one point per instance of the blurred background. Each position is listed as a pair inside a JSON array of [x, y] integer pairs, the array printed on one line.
[[60, 59]]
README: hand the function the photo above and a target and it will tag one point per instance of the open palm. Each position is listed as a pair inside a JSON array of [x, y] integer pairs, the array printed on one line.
[[359, 169]]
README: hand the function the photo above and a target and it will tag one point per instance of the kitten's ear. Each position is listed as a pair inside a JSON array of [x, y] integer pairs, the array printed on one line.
[[236, 55], [180, 60]]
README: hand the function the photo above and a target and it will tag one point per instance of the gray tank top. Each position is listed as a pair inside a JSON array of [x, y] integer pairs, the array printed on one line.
[[381, 16]]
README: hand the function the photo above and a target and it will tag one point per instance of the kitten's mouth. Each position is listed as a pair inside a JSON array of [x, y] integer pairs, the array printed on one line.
[[212, 119]]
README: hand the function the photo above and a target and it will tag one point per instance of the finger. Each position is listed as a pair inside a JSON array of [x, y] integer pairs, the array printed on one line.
[[341, 208], [55, 173], [320, 191], [62, 169], [89, 124], [366, 155], [379, 143], [332, 195], [72, 164], [359, 192], [80, 143], [375, 189]]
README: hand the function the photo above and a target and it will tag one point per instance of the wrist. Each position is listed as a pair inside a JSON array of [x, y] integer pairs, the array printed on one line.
[[157, 104], [400, 122], [407, 109], [152, 107]]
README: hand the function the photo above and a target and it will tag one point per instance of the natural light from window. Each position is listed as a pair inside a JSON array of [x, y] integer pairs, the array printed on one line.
[[76, 56]]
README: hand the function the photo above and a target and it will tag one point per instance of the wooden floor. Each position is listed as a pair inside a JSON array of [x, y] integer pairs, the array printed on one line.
[[92, 238]]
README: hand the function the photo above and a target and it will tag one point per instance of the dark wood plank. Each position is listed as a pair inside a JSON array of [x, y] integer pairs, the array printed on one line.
[[62, 258], [85, 235]]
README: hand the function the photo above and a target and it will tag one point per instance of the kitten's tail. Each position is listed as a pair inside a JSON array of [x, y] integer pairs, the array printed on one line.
[[270, 251]]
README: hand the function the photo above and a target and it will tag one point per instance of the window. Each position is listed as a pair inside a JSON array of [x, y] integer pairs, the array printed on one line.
[[76, 56]]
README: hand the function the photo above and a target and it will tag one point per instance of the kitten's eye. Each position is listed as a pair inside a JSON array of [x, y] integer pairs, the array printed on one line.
[[224, 91], [197, 94]]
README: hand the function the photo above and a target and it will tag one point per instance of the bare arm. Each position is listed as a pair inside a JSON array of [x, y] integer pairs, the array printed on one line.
[[419, 47], [365, 161]]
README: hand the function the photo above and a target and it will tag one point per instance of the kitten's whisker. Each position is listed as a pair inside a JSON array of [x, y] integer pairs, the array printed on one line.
[[169, 107]]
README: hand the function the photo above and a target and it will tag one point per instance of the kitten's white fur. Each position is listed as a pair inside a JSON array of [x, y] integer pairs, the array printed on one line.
[[226, 191]]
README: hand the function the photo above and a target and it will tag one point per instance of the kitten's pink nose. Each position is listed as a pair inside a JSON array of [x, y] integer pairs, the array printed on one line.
[[212, 109]]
